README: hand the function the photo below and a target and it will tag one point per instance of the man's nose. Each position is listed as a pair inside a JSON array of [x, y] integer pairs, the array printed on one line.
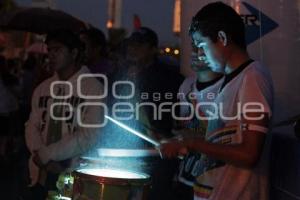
[[200, 52]]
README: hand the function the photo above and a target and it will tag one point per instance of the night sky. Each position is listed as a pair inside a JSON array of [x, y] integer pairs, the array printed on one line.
[[155, 14]]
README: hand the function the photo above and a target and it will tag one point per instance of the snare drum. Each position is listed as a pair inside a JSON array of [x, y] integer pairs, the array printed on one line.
[[137, 160], [109, 184]]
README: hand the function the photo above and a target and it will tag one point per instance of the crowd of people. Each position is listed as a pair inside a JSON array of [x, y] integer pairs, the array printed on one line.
[[50, 120]]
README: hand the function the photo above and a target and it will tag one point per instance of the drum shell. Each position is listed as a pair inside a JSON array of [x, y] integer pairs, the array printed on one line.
[[106, 188]]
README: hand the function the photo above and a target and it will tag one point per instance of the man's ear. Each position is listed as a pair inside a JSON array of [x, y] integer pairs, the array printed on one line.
[[222, 37]]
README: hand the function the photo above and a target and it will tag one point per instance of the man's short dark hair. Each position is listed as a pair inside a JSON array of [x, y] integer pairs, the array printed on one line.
[[66, 37], [215, 17]]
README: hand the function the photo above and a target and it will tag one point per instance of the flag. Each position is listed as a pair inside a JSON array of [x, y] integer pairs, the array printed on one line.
[[136, 22]]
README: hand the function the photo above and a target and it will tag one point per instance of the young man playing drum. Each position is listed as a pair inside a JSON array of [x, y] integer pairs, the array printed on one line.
[[238, 125]]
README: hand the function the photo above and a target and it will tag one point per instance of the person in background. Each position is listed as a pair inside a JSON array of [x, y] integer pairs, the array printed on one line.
[[29, 79], [234, 144], [13, 76], [96, 51], [55, 143], [8, 110], [150, 79], [150, 76], [35, 71], [202, 88]]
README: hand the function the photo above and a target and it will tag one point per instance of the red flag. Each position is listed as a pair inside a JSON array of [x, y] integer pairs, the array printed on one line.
[[136, 22]]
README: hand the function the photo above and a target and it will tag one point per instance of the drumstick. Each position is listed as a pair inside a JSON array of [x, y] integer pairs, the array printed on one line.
[[145, 137], [124, 126]]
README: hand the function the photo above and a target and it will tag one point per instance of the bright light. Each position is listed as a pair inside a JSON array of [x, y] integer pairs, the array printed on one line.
[[167, 50], [105, 152], [109, 24], [111, 173], [176, 16], [176, 51]]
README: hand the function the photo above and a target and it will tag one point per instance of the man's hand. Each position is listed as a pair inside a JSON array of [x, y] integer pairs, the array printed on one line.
[[172, 148]]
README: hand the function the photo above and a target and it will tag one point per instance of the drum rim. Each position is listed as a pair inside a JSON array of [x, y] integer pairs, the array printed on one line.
[[113, 180]]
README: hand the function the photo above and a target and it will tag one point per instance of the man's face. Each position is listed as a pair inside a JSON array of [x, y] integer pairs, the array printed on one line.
[[209, 52], [196, 64], [60, 57]]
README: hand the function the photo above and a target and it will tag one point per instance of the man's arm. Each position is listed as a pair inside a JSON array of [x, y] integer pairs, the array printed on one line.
[[255, 89], [32, 130], [245, 154]]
